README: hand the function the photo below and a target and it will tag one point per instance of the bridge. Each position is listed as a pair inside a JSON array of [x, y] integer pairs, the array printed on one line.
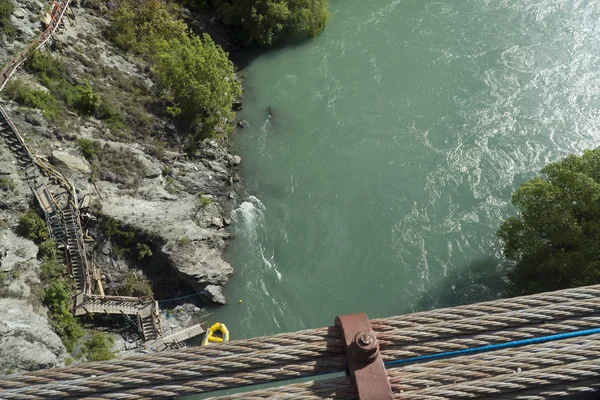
[[543, 346], [57, 198]]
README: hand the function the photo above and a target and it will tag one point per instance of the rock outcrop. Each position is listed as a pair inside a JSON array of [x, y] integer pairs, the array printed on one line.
[[64, 160], [27, 341], [182, 214]]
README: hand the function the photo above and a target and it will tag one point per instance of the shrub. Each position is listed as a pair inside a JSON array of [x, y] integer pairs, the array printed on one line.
[[195, 73], [7, 28], [56, 298], [32, 227], [553, 240], [50, 270], [87, 101], [47, 249], [45, 66], [143, 251], [34, 98], [113, 231], [134, 285], [137, 24], [52, 73], [204, 201], [111, 116], [7, 184], [98, 347], [89, 148]]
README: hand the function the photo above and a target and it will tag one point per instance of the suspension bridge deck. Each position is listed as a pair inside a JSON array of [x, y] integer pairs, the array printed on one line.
[[536, 347]]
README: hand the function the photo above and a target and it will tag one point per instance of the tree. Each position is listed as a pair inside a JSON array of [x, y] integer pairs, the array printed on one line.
[[199, 78], [258, 21], [555, 239], [137, 24]]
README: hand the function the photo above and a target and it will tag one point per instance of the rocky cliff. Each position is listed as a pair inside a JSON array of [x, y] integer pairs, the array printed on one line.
[[131, 171]]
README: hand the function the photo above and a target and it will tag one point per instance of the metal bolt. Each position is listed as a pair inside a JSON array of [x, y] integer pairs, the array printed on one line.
[[365, 346]]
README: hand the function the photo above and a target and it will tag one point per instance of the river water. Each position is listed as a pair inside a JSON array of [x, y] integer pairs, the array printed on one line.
[[394, 141]]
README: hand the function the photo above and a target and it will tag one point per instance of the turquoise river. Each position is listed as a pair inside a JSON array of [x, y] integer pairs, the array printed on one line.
[[381, 156]]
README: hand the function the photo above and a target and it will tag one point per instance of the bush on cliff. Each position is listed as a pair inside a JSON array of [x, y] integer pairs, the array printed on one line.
[[199, 78], [56, 298], [259, 21], [554, 240], [194, 73], [32, 227], [7, 28], [137, 24], [98, 347]]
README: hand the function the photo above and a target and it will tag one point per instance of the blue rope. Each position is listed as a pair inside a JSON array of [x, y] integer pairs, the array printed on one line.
[[473, 350], [180, 298], [482, 349]]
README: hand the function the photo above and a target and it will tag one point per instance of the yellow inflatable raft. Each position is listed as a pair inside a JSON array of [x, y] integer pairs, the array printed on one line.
[[210, 334]]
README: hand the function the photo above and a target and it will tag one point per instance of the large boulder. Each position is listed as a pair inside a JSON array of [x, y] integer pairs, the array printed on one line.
[[68, 161], [27, 342], [15, 251]]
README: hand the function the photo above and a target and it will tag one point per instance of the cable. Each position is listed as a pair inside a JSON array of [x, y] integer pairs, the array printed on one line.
[[482, 349], [180, 298]]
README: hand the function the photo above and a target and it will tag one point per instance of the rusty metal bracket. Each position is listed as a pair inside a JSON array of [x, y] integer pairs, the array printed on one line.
[[365, 364]]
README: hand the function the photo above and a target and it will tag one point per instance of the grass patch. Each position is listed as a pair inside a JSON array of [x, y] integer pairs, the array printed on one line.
[[27, 96], [111, 164], [7, 184]]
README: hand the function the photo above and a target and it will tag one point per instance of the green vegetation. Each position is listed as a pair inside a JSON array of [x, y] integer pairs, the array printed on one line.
[[65, 325], [126, 242], [7, 28], [7, 184], [137, 24], [195, 74], [204, 201], [199, 78], [54, 75], [51, 270], [143, 251], [259, 21], [56, 295], [26, 95], [135, 285], [112, 164], [98, 347], [32, 227], [89, 148], [113, 230], [554, 240]]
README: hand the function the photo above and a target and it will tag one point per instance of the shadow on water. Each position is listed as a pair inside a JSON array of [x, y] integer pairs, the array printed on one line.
[[205, 21], [482, 280]]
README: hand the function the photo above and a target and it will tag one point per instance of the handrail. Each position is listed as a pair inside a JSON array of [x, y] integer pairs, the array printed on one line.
[[9, 70]]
